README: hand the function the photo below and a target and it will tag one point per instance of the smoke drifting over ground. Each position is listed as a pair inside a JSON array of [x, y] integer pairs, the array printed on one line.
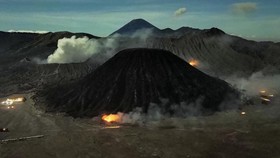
[[157, 114], [76, 50], [191, 113], [255, 114], [256, 82]]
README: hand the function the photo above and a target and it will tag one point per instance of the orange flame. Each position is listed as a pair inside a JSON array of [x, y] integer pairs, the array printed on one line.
[[111, 118], [193, 62]]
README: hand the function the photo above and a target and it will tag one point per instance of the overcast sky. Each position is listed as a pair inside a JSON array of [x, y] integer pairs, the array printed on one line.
[[256, 19]]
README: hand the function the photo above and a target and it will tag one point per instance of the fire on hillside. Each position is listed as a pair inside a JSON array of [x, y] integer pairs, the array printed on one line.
[[193, 62], [111, 118]]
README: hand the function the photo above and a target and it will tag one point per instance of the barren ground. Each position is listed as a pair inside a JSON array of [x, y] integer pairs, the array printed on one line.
[[224, 135]]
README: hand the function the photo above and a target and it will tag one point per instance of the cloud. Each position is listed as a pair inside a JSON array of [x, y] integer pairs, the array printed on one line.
[[180, 11], [244, 8], [29, 31]]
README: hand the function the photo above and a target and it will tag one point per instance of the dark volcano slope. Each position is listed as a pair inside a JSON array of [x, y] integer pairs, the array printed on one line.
[[30, 76], [135, 78], [19, 73], [218, 53], [221, 54], [17, 46]]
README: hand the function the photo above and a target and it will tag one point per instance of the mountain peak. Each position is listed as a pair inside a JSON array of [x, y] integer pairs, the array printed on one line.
[[214, 31], [134, 26], [139, 20]]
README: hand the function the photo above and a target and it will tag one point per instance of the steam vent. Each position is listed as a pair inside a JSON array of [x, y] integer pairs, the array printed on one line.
[[136, 78]]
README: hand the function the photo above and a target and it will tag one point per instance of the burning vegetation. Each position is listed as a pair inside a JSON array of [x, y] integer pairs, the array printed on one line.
[[111, 118]]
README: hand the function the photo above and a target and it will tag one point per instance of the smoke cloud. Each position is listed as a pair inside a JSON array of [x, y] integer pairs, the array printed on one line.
[[244, 8], [142, 34], [39, 61], [256, 83], [156, 112], [188, 115], [156, 119], [75, 50], [180, 11]]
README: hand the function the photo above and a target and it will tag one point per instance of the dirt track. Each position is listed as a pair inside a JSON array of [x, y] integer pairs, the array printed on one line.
[[223, 135]]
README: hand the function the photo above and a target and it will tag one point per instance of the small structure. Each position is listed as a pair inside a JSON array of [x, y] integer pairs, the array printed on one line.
[[10, 101], [4, 130], [21, 139], [265, 97]]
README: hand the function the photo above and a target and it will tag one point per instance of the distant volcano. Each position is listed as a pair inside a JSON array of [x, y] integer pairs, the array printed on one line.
[[136, 78], [136, 25], [140, 24]]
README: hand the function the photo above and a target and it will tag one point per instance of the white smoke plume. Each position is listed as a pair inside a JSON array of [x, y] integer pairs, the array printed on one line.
[[39, 61], [137, 116], [75, 50], [29, 31], [72, 49], [244, 8], [256, 83], [156, 119], [156, 113], [180, 11], [188, 115], [142, 34]]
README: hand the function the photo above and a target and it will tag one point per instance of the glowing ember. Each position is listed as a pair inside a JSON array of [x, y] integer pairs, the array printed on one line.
[[262, 91], [10, 107], [111, 118], [11, 101], [193, 62], [243, 113]]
